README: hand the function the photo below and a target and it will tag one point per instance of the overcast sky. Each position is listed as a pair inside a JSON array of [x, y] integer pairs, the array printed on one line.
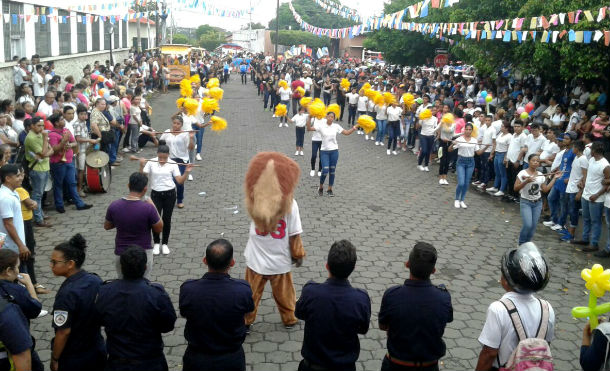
[[264, 10]]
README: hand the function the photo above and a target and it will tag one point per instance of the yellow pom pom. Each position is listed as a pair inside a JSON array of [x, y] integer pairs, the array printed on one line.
[[213, 83], [283, 84], [317, 109], [209, 105], [408, 99], [191, 105], [389, 98], [218, 123], [195, 78], [425, 114], [180, 103], [475, 131], [366, 86], [370, 93], [448, 118], [216, 93], [186, 90], [334, 108], [281, 110], [300, 91], [378, 99], [367, 123], [345, 84], [305, 101]]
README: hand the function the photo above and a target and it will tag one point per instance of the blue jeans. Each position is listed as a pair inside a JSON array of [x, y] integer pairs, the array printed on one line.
[[426, 142], [501, 176], [198, 137], [179, 187], [300, 132], [393, 134], [530, 213], [110, 149], [266, 99], [572, 209], [465, 167], [38, 180], [381, 127], [315, 149], [485, 167], [64, 175], [592, 221], [329, 163]]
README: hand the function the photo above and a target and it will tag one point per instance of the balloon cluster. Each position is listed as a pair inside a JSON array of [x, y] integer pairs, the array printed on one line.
[[527, 111], [597, 282]]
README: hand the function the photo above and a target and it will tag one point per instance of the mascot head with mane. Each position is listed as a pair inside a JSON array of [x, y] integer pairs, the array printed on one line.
[[269, 188]]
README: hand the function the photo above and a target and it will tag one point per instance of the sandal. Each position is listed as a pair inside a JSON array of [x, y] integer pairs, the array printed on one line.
[[40, 289], [180, 206]]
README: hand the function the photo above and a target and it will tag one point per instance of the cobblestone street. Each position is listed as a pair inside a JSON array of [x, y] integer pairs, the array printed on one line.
[[383, 204]]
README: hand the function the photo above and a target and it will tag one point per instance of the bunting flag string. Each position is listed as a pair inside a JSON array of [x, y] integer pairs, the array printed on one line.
[[54, 16], [503, 30], [207, 8], [343, 11]]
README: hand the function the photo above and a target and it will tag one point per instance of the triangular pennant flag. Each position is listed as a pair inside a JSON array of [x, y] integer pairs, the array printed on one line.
[[524, 36], [554, 19], [598, 35], [571, 36], [588, 15], [483, 35], [562, 18], [571, 17], [519, 36], [545, 36], [577, 16], [554, 38], [7, 18], [499, 24], [580, 36], [545, 23], [478, 35], [493, 34], [533, 23], [602, 14], [606, 38], [500, 35], [27, 18], [534, 33], [562, 34]]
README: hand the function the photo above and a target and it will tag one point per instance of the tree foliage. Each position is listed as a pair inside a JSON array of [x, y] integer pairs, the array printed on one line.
[[295, 37], [180, 39], [255, 26], [311, 13], [562, 60]]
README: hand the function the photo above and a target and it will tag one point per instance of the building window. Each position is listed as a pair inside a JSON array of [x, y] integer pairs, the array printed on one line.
[[95, 33], [65, 33], [81, 33], [107, 36], [42, 28], [14, 33], [124, 35], [116, 44]]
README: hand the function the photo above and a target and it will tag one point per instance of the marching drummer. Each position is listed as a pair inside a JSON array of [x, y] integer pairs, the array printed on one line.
[[81, 132]]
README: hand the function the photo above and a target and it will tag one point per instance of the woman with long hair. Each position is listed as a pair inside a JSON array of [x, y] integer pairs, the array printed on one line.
[[466, 146]]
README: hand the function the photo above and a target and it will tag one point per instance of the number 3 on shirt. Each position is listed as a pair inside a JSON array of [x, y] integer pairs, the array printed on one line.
[[279, 233]]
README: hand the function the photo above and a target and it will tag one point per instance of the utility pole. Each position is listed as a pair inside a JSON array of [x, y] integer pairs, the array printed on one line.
[[277, 28], [157, 19], [250, 29]]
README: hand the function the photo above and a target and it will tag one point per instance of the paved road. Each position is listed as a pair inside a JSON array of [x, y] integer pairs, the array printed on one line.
[[383, 205]]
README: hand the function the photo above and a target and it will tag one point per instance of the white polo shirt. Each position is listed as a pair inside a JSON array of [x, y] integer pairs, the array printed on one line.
[[269, 254], [329, 134], [161, 176], [498, 332]]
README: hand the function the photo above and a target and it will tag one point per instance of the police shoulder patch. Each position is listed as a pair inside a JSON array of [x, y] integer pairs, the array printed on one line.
[[60, 317]]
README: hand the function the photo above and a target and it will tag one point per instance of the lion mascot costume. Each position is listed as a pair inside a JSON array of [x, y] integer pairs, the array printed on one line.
[[274, 242]]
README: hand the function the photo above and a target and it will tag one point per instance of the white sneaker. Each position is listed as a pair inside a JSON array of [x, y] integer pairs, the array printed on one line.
[[301, 153], [156, 249], [372, 137], [440, 181], [499, 193], [395, 153], [190, 177], [549, 224], [165, 249], [426, 168], [286, 124], [492, 189], [445, 182], [274, 115], [366, 137], [376, 143], [421, 168], [198, 157], [456, 204], [43, 313], [463, 205], [319, 173], [556, 227], [296, 153], [126, 149], [388, 152], [312, 173], [280, 125]]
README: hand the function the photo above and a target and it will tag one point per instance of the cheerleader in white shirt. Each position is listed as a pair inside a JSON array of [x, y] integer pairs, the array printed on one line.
[[466, 146], [164, 175], [300, 121], [329, 153]]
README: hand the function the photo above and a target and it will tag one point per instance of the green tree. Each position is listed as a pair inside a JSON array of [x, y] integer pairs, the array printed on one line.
[[311, 13], [295, 37], [211, 40], [180, 39], [255, 26]]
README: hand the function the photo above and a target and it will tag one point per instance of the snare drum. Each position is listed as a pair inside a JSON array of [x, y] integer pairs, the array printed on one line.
[[98, 179]]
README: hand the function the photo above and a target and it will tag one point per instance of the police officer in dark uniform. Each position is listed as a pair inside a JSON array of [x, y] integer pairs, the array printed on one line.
[[334, 313], [14, 337], [134, 313], [78, 344], [24, 297], [415, 315], [214, 307]]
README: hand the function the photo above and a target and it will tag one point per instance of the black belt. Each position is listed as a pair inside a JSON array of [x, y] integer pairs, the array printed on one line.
[[164, 193], [314, 366]]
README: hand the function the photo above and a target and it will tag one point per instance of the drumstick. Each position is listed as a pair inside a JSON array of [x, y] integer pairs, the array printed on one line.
[[136, 158]]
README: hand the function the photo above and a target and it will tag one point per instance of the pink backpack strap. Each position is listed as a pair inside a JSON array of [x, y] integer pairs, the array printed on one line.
[[515, 318], [543, 326]]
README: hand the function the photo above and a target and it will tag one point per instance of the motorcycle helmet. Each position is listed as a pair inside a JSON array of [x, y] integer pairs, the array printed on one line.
[[525, 268]]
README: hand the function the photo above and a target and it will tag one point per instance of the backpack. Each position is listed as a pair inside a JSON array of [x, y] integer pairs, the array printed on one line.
[[533, 353]]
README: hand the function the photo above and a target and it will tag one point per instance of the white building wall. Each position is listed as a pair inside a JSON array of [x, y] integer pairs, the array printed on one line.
[[30, 33], [73, 39], [54, 37]]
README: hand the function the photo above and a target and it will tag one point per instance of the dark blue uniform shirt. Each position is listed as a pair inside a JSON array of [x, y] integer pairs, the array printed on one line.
[[134, 315], [334, 313], [14, 328], [214, 307], [28, 305], [74, 308], [416, 314]]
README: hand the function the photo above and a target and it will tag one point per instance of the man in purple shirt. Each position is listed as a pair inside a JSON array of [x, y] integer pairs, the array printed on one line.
[[134, 218]]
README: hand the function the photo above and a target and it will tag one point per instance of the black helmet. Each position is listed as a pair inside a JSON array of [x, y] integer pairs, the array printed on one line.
[[525, 268]]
